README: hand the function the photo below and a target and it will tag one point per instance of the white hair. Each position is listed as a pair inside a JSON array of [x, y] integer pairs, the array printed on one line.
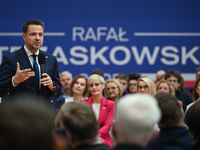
[[65, 73], [136, 116]]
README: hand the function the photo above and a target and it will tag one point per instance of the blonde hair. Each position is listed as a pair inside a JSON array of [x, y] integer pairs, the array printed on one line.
[[118, 85], [96, 77], [171, 88], [150, 84]]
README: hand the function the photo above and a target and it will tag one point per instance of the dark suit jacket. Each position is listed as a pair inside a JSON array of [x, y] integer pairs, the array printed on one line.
[[129, 147], [8, 69], [93, 147]]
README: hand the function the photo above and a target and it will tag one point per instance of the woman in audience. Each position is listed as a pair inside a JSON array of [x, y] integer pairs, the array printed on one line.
[[196, 93], [78, 89], [132, 82], [164, 86], [103, 108], [113, 89], [146, 85]]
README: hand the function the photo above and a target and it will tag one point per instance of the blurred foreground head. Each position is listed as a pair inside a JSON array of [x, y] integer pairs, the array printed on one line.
[[26, 124], [135, 118]]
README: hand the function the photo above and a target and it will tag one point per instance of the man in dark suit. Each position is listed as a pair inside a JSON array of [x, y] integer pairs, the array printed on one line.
[[16, 73], [81, 126], [135, 118]]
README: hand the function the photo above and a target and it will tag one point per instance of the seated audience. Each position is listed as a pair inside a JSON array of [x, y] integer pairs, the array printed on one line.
[[173, 132], [103, 108], [78, 89], [112, 90], [134, 122], [174, 77], [196, 94], [132, 82], [192, 120], [146, 85], [164, 86], [81, 127], [27, 125], [123, 80]]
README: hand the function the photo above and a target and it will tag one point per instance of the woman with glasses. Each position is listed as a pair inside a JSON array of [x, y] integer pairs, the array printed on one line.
[[132, 82], [103, 108], [146, 85], [112, 89]]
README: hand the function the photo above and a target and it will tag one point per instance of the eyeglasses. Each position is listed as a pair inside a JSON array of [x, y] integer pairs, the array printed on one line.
[[133, 84], [143, 87], [112, 88], [175, 81]]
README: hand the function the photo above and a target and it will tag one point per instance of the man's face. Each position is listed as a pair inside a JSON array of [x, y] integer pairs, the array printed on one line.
[[65, 81], [124, 84], [174, 81], [34, 37]]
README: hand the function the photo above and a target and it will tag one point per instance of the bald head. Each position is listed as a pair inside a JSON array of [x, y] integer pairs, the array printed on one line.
[[160, 74]]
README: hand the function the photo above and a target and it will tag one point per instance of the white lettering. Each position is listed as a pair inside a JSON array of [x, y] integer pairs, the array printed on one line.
[[120, 62], [121, 34], [73, 52], [112, 35], [59, 52], [190, 55], [90, 34], [94, 55], [99, 33], [165, 53], [14, 48], [78, 31], [2, 48], [145, 51]]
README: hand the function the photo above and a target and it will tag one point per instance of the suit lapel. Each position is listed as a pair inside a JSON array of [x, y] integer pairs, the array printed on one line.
[[103, 109]]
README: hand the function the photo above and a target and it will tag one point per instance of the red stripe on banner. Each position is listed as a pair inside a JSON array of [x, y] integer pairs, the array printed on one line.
[[189, 84]]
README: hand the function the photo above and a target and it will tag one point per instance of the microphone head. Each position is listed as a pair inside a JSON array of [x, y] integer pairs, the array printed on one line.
[[41, 58]]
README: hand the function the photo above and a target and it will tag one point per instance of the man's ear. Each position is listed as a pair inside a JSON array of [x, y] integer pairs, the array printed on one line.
[[154, 136], [23, 36], [180, 103]]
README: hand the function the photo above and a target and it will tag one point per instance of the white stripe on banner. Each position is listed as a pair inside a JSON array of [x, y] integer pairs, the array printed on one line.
[[165, 34], [20, 34]]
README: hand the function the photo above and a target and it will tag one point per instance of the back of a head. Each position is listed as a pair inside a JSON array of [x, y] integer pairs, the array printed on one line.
[[192, 120], [79, 120], [97, 71], [170, 108], [122, 76], [135, 118], [26, 125]]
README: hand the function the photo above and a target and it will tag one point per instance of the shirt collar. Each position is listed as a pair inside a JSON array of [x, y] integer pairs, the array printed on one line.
[[29, 52]]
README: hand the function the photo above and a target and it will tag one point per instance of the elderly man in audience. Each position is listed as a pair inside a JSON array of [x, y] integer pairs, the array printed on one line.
[[136, 115]]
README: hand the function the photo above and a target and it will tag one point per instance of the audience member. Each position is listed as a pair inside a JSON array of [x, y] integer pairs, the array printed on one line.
[[27, 125], [132, 82], [123, 79], [192, 120], [160, 75], [146, 85], [98, 71], [81, 127], [112, 90], [103, 108], [173, 133], [174, 78], [134, 122], [197, 71], [65, 80], [164, 86], [182, 86], [78, 89], [196, 93]]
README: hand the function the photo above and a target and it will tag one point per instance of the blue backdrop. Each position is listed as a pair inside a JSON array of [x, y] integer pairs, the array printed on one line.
[[117, 36]]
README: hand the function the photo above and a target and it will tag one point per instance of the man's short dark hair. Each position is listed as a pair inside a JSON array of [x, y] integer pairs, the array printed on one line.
[[79, 120], [32, 22], [122, 76], [26, 125], [170, 108], [174, 73], [133, 76], [98, 71], [192, 120]]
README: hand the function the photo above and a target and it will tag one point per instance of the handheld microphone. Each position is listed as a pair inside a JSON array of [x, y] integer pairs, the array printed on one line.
[[41, 60]]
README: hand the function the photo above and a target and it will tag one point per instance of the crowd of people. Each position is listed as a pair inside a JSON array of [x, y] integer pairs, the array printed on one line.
[[52, 111]]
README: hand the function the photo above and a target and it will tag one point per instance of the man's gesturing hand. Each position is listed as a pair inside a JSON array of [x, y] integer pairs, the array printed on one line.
[[22, 75]]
